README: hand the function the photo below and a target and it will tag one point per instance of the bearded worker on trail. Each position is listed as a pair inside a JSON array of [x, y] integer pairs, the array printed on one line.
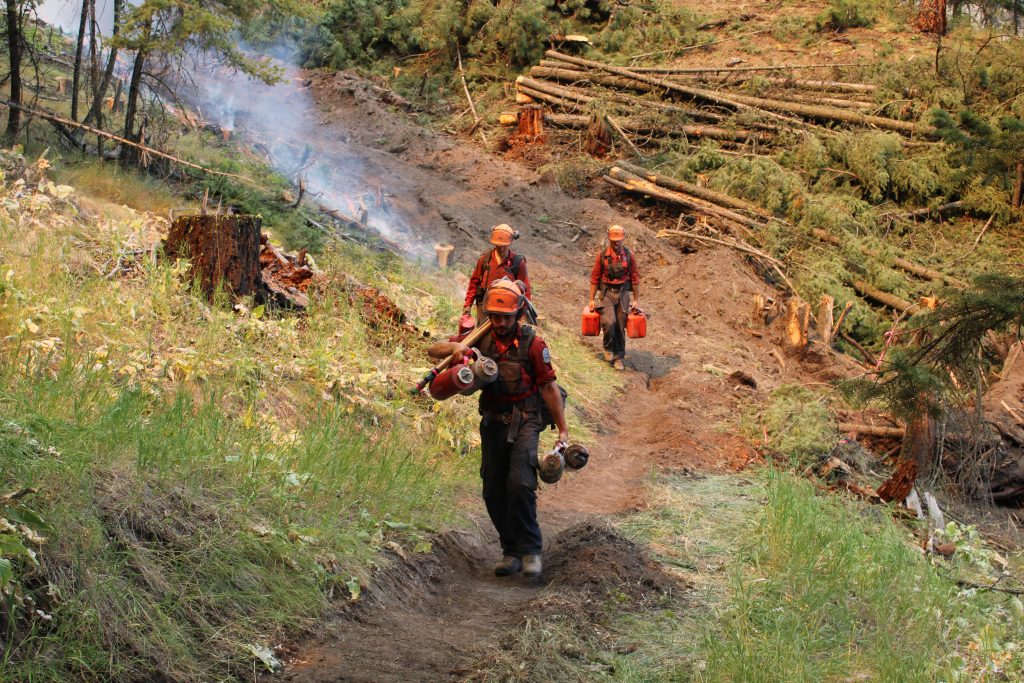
[[495, 264], [512, 418], [615, 279]]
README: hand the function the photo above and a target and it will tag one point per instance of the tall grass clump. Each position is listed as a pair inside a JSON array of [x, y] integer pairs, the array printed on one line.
[[838, 592], [796, 423]]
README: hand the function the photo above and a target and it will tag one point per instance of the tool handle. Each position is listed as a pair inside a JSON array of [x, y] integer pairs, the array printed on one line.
[[472, 338]]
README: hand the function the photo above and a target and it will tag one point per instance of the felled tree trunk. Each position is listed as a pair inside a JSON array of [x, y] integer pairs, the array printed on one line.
[[223, 250]]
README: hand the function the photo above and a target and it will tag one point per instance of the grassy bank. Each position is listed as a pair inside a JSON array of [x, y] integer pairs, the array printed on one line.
[[210, 476], [779, 583]]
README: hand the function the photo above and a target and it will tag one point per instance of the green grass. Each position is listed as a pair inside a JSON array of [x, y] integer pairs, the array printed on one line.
[[778, 583], [789, 585], [835, 590], [110, 183]]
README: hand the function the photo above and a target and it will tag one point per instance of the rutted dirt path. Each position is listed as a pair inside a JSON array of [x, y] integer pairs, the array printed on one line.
[[430, 618]]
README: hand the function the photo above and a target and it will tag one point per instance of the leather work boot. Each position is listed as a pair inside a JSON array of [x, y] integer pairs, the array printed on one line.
[[607, 356], [618, 365], [509, 565], [531, 565]]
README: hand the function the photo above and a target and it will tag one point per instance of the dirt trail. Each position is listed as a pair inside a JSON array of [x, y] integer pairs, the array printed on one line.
[[426, 619]]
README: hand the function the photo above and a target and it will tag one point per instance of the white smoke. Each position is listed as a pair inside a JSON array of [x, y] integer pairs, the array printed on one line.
[[282, 123]]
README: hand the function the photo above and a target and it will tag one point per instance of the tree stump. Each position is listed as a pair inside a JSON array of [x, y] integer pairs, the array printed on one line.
[[798, 319], [223, 250], [599, 137], [825, 321], [531, 123]]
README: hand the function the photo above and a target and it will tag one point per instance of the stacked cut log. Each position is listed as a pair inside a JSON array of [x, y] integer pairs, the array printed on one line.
[[701, 102], [736, 215]]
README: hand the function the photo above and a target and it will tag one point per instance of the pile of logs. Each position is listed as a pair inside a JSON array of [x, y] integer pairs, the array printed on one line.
[[729, 219], [700, 102]]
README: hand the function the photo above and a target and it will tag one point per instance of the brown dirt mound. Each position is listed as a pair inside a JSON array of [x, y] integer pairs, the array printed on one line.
[[592, 558]]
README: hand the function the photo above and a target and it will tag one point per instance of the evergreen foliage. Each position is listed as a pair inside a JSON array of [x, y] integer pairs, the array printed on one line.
[[508, 33], [921, 375], [842, 14], [984, 149]]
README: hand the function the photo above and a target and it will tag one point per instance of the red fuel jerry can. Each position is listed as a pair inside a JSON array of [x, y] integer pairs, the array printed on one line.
[[452, 381], [591, 322], [636, 325]]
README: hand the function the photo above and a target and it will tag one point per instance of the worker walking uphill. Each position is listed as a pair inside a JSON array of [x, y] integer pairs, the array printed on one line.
[[512, 418], [495, 264], [614, 277]]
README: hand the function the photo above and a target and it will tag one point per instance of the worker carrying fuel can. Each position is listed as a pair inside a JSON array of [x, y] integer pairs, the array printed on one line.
[[514, 410], [616, 283], [494, 264]]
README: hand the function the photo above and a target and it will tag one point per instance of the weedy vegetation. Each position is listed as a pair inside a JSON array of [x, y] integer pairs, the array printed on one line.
[[208, 477]]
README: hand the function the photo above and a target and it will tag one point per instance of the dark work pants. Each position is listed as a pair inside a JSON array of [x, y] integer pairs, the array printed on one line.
[[614, 305], [510, 483]]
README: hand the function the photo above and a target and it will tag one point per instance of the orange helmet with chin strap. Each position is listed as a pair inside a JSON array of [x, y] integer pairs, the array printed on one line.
[[503, 297], [616, 233], [502, 235]]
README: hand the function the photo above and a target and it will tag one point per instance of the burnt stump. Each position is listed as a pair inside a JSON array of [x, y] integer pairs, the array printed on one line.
[[224, 250]]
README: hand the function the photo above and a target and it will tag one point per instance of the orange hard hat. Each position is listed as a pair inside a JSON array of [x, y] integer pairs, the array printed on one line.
[[503, 297], [502, 235], [616, 233]]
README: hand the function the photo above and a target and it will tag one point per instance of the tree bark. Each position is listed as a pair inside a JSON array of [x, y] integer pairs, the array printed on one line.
[[14, 40], [871, 430], [919, 443], [1018, 186], [634, 183], [877, 295], [720, 198], [931, 17], [95, 111], [224, 250], [638, 126], [130, 155], [76, 74], [900, 484]]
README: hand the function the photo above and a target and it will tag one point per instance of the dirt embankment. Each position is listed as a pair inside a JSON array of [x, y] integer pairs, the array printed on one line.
[[426, 619]]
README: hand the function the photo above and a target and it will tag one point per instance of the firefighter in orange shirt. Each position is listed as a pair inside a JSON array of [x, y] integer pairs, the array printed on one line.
[[495, 264], [615, 278]]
